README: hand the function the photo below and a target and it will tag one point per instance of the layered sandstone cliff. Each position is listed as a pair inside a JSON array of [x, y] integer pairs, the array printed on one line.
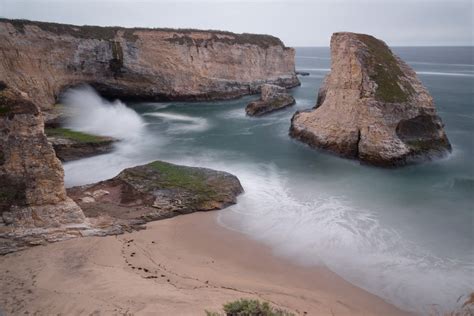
[[38, 61], [34, 206], [372, 107], [43, 59]]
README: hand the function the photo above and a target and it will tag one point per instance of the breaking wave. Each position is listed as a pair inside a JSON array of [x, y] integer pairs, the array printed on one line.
[[89, 112]]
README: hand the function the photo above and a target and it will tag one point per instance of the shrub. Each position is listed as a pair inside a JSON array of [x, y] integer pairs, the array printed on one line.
[[248, 307]]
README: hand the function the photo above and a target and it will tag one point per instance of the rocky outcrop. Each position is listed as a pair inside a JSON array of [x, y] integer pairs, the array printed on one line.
[[33, 203], [72, 145], [34, 207], [38, 61], [272, 98], [158, 190], [372, 107], [44, 59]]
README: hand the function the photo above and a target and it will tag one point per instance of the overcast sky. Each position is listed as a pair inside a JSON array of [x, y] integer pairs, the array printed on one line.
[[297, 23]]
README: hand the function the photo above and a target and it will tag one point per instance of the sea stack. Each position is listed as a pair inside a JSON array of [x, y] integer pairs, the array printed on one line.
[[372, 107], [272, 98]]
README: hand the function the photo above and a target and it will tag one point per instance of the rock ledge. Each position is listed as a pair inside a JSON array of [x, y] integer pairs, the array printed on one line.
[[272, 98]]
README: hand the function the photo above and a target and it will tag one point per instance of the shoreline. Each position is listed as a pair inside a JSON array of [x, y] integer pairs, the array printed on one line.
[[178, 266]]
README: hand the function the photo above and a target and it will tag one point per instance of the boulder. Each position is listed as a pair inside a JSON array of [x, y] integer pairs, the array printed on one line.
[[158, 190], [372, 107], [272, 98]]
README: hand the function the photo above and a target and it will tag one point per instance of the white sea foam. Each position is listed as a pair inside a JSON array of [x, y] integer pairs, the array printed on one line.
[[88, 112], [452, 74], [352, 242], [439, 64], [182, 123], [428, 73], [327, 229]]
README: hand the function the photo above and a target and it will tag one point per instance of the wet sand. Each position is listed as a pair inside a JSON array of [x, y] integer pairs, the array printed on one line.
[[179, 266]]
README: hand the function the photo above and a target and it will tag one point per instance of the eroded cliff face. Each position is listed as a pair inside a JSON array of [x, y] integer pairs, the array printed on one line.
[[39, 60], [43, 59], [372, 107], [34, 206]]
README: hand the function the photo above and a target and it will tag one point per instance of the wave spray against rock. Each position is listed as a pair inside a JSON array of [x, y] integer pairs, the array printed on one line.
[[88, 112]]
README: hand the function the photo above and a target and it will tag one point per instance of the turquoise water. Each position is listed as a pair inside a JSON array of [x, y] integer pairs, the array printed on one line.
[[406, 235]]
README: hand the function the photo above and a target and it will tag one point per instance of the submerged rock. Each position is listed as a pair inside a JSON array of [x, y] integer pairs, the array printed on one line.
[[272, 98], [158, 190], [372, 107], [71, 145]]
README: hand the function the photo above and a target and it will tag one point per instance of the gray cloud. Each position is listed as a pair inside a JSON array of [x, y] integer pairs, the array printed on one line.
[[297, 23]]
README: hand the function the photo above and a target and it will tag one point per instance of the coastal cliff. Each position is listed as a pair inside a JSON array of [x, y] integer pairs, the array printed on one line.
[[39, 61], [43, 59], [372, 107], [34, 207]]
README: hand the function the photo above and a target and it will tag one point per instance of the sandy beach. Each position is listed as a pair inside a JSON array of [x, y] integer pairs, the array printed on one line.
[[180, 266]]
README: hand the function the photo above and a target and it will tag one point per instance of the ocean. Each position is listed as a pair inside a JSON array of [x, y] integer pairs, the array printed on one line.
[[404, 234]]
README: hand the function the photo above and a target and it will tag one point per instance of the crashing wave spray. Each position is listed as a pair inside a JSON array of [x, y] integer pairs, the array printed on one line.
[[88, 112]]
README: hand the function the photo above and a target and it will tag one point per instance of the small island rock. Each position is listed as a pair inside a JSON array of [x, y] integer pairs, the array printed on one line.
[[272, 98], [372, 107]]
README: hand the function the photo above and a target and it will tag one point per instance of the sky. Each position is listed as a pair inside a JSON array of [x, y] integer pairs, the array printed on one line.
[[297, 22]]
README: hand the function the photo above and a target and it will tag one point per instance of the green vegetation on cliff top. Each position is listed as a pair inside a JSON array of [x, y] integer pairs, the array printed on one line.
[[386, 72], [181, 36], [74, 135]]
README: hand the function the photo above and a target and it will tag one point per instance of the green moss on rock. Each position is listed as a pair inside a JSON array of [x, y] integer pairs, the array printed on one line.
[[186, 178], [386, 72], [74, 135]]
